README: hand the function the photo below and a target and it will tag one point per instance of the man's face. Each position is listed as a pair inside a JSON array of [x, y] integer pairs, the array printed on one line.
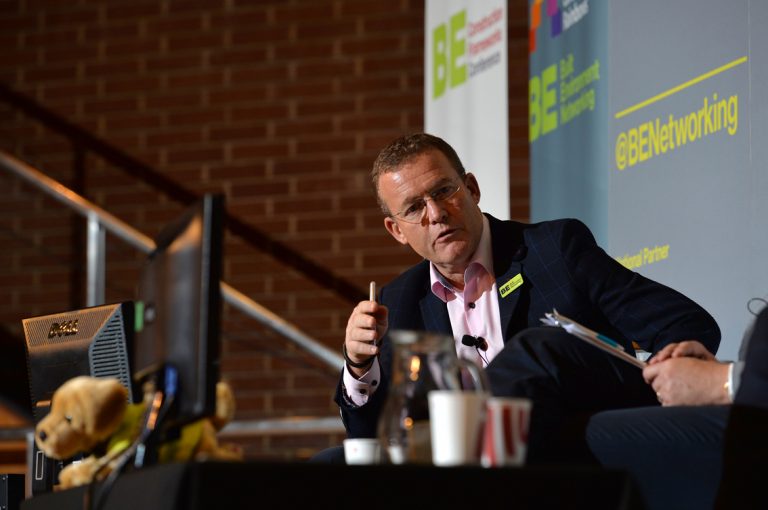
[[450, 230]]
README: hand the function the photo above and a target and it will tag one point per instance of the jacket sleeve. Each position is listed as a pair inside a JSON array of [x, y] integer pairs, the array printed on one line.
[[642, 310], [362, 421]]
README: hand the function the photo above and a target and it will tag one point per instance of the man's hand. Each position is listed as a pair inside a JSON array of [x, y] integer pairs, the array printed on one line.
[[680, 381], [365, 327], [689, 349]]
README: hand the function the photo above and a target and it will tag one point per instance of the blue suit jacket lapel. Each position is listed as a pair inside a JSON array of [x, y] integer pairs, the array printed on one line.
[[509, 253]]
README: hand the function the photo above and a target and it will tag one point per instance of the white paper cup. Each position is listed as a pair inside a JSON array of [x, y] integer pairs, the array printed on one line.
[[505, 440], [361, 450], [456, 424]]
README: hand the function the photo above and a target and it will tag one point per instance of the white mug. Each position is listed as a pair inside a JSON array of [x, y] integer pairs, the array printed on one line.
[[456, 425]]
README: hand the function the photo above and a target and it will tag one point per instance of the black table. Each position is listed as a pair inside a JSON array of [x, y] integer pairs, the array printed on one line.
[[250, 485]]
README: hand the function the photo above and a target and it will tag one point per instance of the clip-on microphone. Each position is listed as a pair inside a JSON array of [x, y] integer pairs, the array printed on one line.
[[478, 343]]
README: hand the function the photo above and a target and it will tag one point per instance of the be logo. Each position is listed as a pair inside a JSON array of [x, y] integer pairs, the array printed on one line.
[[542, 96], [449, 69]]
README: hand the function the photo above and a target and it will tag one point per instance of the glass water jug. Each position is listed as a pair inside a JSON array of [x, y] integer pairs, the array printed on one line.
[[421, 362]]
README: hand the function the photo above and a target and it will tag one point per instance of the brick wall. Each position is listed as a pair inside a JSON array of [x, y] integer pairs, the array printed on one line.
[[280, 105]]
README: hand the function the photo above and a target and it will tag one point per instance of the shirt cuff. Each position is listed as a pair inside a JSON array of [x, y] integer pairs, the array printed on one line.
[[734, 378], [358, 391]]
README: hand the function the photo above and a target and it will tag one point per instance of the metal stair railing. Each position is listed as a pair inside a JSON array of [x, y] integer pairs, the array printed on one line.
[[100, 221]]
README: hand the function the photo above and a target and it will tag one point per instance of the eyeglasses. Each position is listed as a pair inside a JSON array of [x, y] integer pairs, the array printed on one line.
[[415, 212]]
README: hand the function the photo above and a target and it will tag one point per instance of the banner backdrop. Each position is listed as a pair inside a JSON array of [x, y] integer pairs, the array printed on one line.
[[465, 93], [568, 101], [678, 138]]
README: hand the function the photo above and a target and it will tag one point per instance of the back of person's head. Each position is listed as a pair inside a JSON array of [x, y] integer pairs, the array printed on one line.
[[400, 150]]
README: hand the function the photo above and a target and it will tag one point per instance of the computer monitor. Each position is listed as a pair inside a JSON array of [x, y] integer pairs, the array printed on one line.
[[95, 341], [180, 294]]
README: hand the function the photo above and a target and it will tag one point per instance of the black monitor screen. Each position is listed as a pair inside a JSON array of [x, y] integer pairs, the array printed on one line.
[[181, 300]]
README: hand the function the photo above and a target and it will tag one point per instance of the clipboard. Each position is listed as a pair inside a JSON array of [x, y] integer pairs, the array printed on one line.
[[591, 337]]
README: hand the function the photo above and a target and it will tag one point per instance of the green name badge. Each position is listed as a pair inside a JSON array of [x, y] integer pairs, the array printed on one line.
[[511, 285]]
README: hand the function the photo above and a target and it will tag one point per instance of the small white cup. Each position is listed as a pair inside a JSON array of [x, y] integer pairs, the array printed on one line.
[[456, 422], [361, 450]]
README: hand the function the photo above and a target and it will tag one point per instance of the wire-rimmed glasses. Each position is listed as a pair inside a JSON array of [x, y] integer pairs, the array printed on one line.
[[414, 213]]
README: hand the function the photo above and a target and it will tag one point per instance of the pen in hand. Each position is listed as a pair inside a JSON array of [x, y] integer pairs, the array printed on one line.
[[372, 297]]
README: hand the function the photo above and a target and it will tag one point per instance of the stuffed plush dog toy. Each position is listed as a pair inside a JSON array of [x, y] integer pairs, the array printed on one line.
[[92, 415]]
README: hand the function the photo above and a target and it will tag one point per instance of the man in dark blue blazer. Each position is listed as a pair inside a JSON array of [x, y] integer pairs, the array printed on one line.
[[745, 443], [678, 452], [513, 273]]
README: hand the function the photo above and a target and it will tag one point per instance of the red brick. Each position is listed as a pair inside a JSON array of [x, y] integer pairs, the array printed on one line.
[[266, 110], [261, 189], [303, 205], [176, 137], [247, 18], [392, 102], [300, 127], [134, 9], [69, 90], [311, 11], [266, 34], [112, 68], [131, 84], [308, 185], [303, 50], [371, 44], [71, 16], [175, 24], [368, 7], [326, 107], [196, 117], [226, 134], [275, 73], [259, 150], [392, 24], [111, 30], [319, 223], [238, 94], [306, 89], [163, 63], [169, 100], [391, 63], [50, 73], [235, 172], [16, 20], [325, 144], [238, 56], [123, 47], [303, 165], [12, 59], [325, 28], [358, 202], [197, 156], [195, 79], [364, 84], [199, 41], [327, 69]]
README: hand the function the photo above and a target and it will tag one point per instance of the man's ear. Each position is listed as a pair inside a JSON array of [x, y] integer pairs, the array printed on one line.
[[394, 229], [474, 188]]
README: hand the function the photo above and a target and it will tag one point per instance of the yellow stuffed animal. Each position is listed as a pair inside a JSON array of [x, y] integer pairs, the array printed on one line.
[[88, 412]]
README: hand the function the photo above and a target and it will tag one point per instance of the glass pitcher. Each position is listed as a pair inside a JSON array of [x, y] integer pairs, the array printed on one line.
[[421, 362]]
